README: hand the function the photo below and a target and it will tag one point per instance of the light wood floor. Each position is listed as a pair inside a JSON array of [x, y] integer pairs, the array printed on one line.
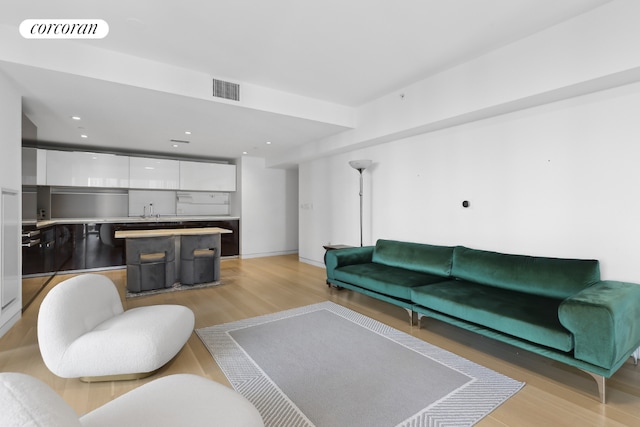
[[555, 394]]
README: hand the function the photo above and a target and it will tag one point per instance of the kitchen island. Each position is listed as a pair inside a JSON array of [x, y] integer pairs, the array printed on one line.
[[149, 244]]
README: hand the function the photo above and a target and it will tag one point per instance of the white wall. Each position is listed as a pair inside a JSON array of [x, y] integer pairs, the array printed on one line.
[[540, 136], [556, 180], [269, 213], [10, 169], [590, 52]]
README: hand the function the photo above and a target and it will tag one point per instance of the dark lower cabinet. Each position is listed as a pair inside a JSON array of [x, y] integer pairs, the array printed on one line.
[[230, 241], [70, 247], [54, 249]]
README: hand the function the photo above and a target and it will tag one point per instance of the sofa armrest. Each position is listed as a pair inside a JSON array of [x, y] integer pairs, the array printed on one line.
[[341, 257], [604, 320]]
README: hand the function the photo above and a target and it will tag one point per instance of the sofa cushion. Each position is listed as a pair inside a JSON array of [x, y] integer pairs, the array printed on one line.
[[549, 277], [529, 317], [384, 279], [414, 256]]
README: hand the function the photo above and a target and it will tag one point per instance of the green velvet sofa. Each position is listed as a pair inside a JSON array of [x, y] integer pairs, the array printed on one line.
[[558, 308]]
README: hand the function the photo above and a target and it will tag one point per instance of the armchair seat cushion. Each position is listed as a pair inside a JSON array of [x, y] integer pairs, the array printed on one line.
[[139, 340], [174, 400], [177, 400], [27, 401]]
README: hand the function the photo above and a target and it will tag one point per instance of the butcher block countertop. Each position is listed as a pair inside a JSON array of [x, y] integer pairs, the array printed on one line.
[[163, 232], [129, 220]]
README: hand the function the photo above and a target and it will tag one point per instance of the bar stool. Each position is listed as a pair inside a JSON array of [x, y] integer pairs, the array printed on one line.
[[199, 259], [150, 263]]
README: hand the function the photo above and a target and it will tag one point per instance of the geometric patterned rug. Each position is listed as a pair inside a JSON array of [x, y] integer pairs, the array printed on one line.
[[325, 365]]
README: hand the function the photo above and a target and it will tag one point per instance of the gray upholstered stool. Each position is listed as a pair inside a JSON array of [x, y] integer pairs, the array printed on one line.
[[150, 263], [199, 259]]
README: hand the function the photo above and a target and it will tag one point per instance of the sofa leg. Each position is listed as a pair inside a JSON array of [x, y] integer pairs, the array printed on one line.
[[601, 381], [411, 316], [636, 356], [420, 316]]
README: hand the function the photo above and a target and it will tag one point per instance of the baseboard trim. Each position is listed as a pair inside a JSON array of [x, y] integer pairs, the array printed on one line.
[[312, 262], [268, 254]]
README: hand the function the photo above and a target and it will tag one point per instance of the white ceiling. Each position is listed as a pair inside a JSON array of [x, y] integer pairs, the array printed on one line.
[[343, 52]]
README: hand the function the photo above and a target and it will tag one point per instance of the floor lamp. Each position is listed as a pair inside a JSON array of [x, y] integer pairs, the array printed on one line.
[[360, 165]]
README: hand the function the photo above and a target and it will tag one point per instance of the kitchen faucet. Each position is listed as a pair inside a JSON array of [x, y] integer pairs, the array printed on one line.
[[150, 211]]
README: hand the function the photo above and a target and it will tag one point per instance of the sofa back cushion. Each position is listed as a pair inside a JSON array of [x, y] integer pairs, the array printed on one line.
[[414, 256], [549, 277]]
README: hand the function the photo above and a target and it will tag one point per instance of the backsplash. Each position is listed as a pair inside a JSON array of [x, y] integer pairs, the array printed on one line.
[[152, 202], [65, 202], [202, 203]]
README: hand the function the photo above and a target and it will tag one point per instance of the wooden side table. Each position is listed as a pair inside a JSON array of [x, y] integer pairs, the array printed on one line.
[[328, 248]]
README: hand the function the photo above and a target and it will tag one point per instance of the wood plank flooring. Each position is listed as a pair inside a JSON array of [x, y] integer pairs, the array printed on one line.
[[555, 394]]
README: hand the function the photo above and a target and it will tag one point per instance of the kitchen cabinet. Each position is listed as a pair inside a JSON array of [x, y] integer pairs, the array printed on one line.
[[34, 166], [148, 173], [52, 247], [41, 166], [199, 176], [29, 166], [10, 282], [83, 169]]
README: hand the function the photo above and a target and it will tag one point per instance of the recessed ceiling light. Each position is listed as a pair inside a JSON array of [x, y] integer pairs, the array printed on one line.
[[175, 145], [268, 142], [244, 152], [76, 117], [83, 136], [187, 132]]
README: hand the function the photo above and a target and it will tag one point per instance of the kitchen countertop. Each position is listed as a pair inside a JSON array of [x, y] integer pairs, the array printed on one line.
[[129, 219], [133, 234]]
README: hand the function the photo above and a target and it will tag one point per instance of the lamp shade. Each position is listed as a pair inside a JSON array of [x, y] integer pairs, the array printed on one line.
[[360, 164]]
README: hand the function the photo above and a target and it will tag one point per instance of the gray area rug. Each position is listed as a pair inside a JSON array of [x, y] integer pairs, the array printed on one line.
[[327, 366]]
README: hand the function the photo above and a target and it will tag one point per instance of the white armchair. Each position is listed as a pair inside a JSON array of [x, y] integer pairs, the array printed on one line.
[[83, 331], [176, 400]]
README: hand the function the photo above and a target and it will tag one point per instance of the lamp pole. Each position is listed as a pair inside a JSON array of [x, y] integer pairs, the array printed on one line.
[[360, 166]]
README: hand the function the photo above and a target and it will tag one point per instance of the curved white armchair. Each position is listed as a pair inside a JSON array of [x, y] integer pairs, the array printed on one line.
[[176, 400], [83, 331]]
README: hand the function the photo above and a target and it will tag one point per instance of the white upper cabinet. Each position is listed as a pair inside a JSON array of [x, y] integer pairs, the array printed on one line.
[[207, 176], [29, 166], [82, 169], [154, 173], [34, 166], [41, 164]]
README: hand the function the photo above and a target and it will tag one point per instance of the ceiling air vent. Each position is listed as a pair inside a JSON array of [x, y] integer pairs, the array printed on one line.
[[226, 90]]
